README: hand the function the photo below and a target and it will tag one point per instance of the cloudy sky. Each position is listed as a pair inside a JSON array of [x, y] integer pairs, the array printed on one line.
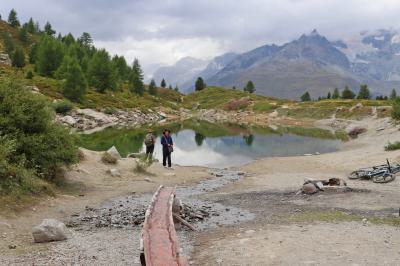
[[163, 31]]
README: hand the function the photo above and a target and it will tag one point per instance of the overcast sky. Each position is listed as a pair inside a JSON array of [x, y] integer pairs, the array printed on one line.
[[163, 31]]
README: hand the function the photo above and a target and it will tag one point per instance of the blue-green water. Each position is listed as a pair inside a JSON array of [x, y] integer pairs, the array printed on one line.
[[215, 145]]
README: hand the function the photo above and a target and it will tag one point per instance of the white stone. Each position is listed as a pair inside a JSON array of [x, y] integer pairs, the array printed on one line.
[[114, 172], [114, 152], [68, 120], [49, 230]]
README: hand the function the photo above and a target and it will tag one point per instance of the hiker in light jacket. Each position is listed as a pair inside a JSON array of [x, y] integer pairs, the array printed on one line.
[[167, 147], [149, 142]]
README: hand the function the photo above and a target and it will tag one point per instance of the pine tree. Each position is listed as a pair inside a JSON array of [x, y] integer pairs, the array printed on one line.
[[30, 26], [23, 35], [8, 43], [121, 67], [75, 84], [136, 79], [163, 84], [100, 72], [33, 53], [233, 88], [250, 88], [364, 92], [18, 57], [393, 95], [305, 97], [85, 40], [170, 87], [49, 56], [336, 94], [176, 88], [68, 39], [48, 29], [13, 19], [152, 88], [347, 93], [63, 69], [328, 96], [200, 85]]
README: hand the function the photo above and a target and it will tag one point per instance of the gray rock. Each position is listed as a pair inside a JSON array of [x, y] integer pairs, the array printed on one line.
[[5, 59], [114, 152], [114, 172], [309, 188], [68, 120], [49, 230]]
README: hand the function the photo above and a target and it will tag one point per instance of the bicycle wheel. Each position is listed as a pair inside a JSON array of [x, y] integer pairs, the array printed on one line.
[[385, 178], [357, 174]]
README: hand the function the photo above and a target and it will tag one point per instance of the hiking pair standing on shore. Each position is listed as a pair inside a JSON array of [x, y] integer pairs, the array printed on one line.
[[167, 146]]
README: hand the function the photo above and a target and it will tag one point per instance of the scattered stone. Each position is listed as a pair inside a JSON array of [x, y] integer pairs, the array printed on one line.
[[114, 172], [69, 120], [147, 179], [309, 188], [49, 230], [364, 221], [5, 59], [114, 152], [12, 246], [249, 231], [319, 185]]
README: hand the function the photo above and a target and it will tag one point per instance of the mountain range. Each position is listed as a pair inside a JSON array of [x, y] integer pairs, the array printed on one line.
[[310, 63]]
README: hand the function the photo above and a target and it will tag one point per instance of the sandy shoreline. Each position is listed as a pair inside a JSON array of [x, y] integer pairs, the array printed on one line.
[[268, 176]]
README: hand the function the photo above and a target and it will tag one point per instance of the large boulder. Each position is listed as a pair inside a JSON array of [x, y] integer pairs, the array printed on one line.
[[114, 153], [309, 188], [49, 230], [69, 120]]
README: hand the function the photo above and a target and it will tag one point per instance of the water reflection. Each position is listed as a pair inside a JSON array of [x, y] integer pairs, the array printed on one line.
[[206, 144], [237, 150]]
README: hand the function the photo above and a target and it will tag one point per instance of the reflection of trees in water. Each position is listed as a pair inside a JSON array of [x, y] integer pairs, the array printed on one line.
[[199, 138], [248, 139]]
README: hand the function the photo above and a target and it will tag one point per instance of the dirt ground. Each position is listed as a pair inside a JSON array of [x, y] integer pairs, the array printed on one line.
[[354, 228]]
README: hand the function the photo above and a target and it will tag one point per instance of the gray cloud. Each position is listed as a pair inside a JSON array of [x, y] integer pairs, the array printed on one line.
[[163, 31]]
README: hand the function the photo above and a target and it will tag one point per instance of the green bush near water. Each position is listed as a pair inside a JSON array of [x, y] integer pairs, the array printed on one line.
[[32, 146]]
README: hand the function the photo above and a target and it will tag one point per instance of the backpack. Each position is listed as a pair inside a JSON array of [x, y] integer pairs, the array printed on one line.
[[149, 140]]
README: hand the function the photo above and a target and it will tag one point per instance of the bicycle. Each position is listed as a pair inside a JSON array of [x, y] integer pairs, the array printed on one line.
[[378, 174]]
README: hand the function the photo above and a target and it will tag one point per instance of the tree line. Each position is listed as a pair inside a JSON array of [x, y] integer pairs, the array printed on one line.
[[347, 93], [75, 61]]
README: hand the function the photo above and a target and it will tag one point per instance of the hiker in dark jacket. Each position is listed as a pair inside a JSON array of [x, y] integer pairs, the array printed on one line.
[[167, 146]]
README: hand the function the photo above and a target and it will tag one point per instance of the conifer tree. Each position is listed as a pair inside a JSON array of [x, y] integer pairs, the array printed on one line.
[[250, 88], [48, 29], [176, 88], [100, 72], [30, 26], [163, 84], [8, 43], [364, 92], [347, 93], [49, 56], [328, 96], [75, 85], [170, 87], [152, 88], [13, 19], [23, 35], [18, 57], [136, 78], [305, 97], [200, 85], [336, 94], [393, 95]]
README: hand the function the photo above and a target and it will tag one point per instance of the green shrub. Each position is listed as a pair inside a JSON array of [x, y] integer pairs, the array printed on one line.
[[108, 158], [34, 143], [396, 109], [29, 74], [392, 146], [110, 110], [62, 106]]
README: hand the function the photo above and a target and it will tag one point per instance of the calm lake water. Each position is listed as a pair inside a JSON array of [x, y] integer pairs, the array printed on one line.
[[216, 145]]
